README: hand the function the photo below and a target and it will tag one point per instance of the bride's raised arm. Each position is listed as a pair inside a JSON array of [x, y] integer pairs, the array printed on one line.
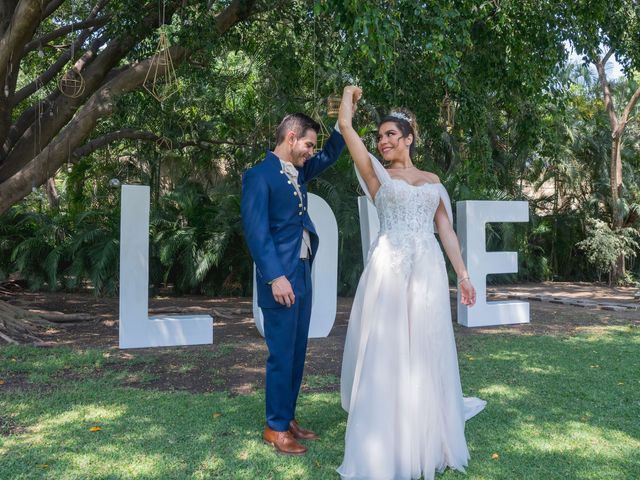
[[357, 149]]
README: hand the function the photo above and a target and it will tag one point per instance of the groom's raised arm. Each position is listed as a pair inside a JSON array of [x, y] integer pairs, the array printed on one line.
[[254, 208], [324, 158]]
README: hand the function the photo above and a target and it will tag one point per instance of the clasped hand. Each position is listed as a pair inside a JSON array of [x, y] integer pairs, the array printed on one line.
[[353, 94]]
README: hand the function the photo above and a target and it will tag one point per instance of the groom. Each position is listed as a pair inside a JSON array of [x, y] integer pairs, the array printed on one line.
[[283, 241]]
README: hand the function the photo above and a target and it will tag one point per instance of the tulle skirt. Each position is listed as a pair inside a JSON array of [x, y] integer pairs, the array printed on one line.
[[400, 381]]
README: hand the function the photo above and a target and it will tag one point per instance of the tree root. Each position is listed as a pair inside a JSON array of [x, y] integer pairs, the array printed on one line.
[[20, 326]]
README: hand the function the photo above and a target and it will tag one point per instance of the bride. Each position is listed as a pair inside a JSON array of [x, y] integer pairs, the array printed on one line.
[[400, 381]]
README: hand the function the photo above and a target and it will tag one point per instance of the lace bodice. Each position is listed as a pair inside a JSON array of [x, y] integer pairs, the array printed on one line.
[[406, 215], [406, 209]]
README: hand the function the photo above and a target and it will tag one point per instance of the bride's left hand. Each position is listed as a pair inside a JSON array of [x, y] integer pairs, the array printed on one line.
[[468, 293]]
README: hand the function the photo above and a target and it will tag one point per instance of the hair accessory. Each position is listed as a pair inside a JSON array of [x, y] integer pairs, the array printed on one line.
[[401, 116]]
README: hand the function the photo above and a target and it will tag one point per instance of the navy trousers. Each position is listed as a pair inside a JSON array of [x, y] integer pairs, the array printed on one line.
[[286, 330]]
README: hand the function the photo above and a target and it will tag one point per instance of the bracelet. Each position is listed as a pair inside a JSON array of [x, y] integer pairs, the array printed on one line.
[[465, 278]]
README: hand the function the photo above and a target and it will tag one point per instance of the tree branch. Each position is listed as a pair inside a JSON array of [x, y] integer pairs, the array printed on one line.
[[26, 119], [24, 22], [627, 111], [134, 76], [133, 134], [100, 104], [22, 146], [51, 7], [201, 143], [607, 56], [44, 39], [99, 142], [9, 136], [6, 14], [57, 66], [237, 11], [65, 107], [22, 150], [22, 169], [6, 108], [606, 92], [65, 57]]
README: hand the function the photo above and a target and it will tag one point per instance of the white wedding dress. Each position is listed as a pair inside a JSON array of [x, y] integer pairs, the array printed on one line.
[[400, 381]]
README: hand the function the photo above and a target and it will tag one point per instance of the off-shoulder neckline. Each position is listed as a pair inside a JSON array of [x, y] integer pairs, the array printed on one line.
[[411, 184]]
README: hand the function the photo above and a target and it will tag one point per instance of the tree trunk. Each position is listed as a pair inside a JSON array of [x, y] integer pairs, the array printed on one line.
[[618, 271], [617, 220], [19, 326], [52, 194]]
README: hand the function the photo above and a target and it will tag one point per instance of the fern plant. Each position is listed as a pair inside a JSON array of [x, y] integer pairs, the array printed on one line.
[[93, 251], [197, 240]]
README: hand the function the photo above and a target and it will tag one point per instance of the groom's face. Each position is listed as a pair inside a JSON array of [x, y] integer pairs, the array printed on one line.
[[302, 147]]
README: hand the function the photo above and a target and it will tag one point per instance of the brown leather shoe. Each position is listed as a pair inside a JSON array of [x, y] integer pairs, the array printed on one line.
[[283, 442], [300, 433]]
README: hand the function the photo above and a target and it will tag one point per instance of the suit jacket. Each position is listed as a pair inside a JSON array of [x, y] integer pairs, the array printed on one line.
[[274, 216]]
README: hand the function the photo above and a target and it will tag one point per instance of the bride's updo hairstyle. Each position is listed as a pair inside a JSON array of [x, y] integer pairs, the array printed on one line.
[[405, 120]]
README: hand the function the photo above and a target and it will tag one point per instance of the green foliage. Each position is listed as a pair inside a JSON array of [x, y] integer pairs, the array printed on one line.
[[339, 187], [197, 240], [37, 245], [501, 117], [603, 246], [62, 250], [196, 245]]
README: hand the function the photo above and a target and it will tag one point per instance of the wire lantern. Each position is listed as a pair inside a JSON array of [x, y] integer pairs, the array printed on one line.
[[164, 143], [161, 80], [448, 112], [333, 105], [72, 84]]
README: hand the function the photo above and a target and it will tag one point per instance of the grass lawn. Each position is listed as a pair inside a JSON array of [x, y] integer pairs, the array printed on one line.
[[559, 407]]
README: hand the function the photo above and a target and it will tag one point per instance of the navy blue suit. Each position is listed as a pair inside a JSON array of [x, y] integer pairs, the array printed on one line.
[[274, 217]]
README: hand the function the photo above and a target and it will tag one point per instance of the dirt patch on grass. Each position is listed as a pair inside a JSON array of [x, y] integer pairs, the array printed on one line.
[[235, 362]]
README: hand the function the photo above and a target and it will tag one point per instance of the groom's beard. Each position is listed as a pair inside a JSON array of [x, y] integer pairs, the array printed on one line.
[[298, 159]]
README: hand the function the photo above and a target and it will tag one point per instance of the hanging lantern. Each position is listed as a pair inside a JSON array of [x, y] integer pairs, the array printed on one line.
[[71, 84], [323, 134], [333, 105], [161, 80], [164, 143], [448, 112]]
